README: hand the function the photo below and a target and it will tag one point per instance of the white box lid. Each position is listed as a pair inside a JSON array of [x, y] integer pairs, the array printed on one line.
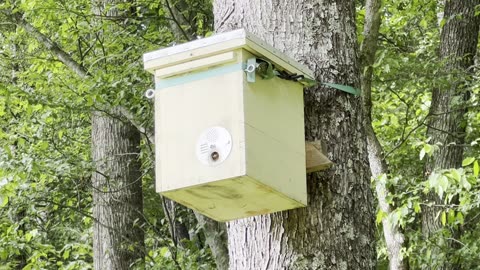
[[220, 43]]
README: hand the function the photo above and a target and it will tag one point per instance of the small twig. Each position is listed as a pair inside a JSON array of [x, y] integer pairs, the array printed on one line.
[[406, 113], [176, 21], [393, 43], [131, 118], [442, 131], [406, 138], [172, 232], [52, 46], [455, 240]]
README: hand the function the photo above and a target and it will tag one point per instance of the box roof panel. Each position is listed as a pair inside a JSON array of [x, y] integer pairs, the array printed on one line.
[[221, 43]]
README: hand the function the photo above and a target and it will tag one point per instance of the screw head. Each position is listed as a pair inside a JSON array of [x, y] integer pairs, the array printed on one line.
[[214, 155]]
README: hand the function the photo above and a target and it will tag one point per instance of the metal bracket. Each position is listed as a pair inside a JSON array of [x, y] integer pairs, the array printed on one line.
[[150, 93], [250, 69]]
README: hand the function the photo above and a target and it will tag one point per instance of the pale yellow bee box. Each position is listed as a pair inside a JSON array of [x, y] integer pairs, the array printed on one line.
[[226, 147]]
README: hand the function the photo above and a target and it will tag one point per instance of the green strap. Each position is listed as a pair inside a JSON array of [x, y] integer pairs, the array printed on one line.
[[266, 73], [266, 70], [344, 88]]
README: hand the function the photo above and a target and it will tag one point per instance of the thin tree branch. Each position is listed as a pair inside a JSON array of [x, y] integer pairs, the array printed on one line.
[[65, 58], [392, 233], [172, 233], [443, 131], [176, 21], [406, 138], [130, 117]]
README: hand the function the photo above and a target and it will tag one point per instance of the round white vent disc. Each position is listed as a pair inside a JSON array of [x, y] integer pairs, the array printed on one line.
[[214, 146]]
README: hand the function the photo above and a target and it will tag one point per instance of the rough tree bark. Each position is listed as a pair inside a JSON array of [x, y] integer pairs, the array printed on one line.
[[336, 230], [216, 238], [117, 195], [458, 43], [394, 238]]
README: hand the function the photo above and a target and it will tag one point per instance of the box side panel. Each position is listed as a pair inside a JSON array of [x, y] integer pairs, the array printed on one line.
[[274, 133], [269, 161], [182, 113], [231, 199], [158, 127]]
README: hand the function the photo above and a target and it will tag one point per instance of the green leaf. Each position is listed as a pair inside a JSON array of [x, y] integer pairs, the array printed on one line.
[[460, 218], [28, 237], [416, 207], [476, 168], [3, 201], [468, 161], [66, 254], [344, 88], [428, 148], [422, 153], [455, 175], [451, 216], [442, 185], [43, 145], [465, 184], [433, 180], [3, 256], [423, 23], [442, 22], [89, 100], [380, 216], [444, 218], [165, 252]]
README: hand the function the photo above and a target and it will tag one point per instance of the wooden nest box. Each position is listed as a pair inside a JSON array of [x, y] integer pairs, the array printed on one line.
[[229, 142]]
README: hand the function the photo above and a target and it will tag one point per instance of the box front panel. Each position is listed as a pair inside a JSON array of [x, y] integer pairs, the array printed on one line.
[[185, 114]]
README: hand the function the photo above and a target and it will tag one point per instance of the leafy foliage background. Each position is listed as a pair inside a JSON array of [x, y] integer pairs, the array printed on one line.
[[45, 159]]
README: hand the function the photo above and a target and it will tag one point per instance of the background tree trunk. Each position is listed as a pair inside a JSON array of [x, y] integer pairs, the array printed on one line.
[[117, 195], [458, 43], [216, 238], [336, 230], [394, 238], [118, 237]]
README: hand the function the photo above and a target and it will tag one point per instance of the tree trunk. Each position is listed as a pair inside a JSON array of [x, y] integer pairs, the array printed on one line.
[[118, 239], [336, 230], [118, 236], [458, 43], [117, 195], [216, 238], [394, 238]]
